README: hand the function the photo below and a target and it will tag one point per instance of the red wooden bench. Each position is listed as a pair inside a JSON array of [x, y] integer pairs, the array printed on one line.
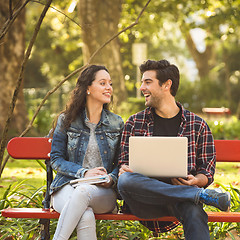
[[39, 148]]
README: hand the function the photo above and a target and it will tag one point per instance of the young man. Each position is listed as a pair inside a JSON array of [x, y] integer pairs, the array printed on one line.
[[152, 198]]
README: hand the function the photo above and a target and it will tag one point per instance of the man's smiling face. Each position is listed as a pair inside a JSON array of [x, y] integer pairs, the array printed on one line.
[[151, 89]]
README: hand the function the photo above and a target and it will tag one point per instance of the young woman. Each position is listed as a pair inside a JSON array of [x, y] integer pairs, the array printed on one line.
[[85, 144]]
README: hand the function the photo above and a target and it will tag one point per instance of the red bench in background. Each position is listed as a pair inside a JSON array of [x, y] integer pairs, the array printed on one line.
[[39, 148]]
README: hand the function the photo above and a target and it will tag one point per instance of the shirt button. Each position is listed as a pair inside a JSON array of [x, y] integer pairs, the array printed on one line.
[[105, 152], [101, 138]]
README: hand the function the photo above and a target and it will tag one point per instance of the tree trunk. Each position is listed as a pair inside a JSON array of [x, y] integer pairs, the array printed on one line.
[[202, 60], [99, 20], [12, 49]]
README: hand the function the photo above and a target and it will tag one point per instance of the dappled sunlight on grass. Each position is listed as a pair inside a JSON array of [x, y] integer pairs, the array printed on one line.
[[228, 173], [18, 170], [26, 172]]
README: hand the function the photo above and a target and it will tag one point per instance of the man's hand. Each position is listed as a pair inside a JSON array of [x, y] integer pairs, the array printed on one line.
[[199, 180], [123, 169], [189, 181]]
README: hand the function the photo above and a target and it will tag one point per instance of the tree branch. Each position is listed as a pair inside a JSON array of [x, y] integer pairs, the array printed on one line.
[[19, 82], [11, 19], [10, 9], [61, 13]]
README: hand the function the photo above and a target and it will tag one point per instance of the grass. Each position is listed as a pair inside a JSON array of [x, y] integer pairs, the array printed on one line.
[[18, 170], [227, 173]]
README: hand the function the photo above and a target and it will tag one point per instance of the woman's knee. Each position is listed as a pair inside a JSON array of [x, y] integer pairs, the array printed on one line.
[[80, 197], [87, 220], [81, 191]]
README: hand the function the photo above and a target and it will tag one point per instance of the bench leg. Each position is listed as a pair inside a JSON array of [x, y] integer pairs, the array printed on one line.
[[155, 234], [45, 223]]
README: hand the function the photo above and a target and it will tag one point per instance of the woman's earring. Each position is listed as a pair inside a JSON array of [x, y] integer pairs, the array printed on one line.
[[88, 93]]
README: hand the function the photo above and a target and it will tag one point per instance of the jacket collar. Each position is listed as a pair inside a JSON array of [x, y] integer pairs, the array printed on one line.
[[103, 120]]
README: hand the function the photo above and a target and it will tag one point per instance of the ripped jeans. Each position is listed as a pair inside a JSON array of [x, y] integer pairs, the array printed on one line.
[[77, 207]]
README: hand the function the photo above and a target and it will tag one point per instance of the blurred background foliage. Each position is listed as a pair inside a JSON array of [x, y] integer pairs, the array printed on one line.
[[200, 37]]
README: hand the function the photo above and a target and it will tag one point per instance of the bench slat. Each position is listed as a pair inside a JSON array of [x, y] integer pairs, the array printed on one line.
[[228, 150], [223, 216], [29, 213], [51, 214], [29, 147]]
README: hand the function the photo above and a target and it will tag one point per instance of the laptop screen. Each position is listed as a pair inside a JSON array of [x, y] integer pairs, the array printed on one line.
[[159, 156]]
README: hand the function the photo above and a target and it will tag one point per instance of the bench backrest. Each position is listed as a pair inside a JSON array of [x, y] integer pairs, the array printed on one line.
[[29, 147], [227, 150], [40, 147]]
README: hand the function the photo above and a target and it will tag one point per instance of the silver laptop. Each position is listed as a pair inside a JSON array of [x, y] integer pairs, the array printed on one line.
[[159, 156]]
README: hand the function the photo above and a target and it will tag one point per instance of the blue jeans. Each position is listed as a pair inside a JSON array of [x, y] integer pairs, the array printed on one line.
[[151, 198]]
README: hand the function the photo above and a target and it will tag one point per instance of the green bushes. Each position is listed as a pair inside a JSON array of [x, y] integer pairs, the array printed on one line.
[[225, 128], [220, 230], [20, 195]]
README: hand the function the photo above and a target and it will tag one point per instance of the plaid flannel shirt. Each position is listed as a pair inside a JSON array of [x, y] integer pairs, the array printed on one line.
[[201, 149]]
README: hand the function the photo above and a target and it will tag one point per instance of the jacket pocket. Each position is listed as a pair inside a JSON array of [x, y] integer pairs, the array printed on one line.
[[73, 139], [112, 135], [113, 139]]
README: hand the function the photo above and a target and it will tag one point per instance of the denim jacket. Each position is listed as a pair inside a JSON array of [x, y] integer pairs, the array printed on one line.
[[69, 147]]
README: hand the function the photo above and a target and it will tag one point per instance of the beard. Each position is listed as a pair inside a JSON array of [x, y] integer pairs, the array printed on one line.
[[152, 102]]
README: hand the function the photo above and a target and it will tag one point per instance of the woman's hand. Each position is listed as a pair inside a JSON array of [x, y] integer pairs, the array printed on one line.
[[107, 184], [95, 172], [99, 171]]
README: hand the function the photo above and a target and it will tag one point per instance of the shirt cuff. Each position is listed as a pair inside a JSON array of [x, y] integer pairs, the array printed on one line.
[[80, 173]]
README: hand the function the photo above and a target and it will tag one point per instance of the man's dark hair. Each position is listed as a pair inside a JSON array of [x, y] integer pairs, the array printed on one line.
[[164, 71]]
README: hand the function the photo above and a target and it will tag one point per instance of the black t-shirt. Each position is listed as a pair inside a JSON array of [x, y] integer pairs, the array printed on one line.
[[166, 126]]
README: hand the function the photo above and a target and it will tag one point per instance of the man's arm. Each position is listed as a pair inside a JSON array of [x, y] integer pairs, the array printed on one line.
[[206, 154], [124, 147], [205, 162], [123, 157]]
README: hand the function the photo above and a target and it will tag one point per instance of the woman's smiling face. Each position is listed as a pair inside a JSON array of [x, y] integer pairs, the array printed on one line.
[[101, 89]]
